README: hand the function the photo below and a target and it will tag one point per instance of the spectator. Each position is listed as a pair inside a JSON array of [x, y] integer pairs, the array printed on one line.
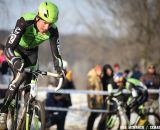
[[94, 101], [127, 73], [136, 73], [4, 77], [116, 67], [107, 77], [108, 85], [59, 100], [3, 67], [152, 80]]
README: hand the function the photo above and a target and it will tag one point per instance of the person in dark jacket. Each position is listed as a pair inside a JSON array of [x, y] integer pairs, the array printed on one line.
[[108, 85], [107, 77], [136, 72], [59, 100]]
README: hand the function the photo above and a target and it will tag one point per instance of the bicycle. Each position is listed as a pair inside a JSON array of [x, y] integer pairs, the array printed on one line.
[[32, 116], [115, 117]]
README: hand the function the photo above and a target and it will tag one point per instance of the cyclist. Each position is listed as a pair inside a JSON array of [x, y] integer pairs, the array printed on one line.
[[22, 49], [138, 91]]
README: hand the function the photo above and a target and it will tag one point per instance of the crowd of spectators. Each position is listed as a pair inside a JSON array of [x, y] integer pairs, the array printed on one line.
[[104, 81]]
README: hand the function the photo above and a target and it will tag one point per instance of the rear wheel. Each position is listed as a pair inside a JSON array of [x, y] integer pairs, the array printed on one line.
[[153, 119]]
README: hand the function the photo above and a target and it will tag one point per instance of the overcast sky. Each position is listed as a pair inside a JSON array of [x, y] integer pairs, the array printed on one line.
[[69, 19]]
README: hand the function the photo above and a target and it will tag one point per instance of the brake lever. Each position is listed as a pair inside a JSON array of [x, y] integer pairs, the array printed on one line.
[[61, 79], [63, 74]]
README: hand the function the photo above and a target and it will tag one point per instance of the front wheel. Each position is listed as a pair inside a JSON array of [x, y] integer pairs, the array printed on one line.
[[113, 122], [35, 119], [110, 122]]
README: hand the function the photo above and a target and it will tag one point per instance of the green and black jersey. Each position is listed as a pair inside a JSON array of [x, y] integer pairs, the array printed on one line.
[[25, 38]]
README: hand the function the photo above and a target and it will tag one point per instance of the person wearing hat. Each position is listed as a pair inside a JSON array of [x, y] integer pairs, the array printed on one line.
[[152, 80]]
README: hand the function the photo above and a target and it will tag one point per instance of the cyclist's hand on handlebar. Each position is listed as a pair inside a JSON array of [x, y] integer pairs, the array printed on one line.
[[61, 73]]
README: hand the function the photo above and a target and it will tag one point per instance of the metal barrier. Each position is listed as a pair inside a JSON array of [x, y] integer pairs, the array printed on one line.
[[72, 91]]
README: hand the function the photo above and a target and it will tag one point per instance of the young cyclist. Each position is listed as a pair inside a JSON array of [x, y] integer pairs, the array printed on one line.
[[139, 93], [22, 49]]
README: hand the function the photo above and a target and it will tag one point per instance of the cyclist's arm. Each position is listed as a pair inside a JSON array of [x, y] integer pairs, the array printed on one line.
[[139, 94], [133, 89], [133, 95], [14, 38], [54, 44]]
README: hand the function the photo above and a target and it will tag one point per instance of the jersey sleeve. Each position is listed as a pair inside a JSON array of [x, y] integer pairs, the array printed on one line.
[[54, 43], [14, 38]]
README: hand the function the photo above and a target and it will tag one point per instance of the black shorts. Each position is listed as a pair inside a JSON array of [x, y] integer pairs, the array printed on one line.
[[29, 56]]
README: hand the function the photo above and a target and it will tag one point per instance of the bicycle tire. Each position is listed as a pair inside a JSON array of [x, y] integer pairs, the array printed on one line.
[[117, 122], [36, 120], [103, 126], [12, 117], [156, 118], [10, 120]]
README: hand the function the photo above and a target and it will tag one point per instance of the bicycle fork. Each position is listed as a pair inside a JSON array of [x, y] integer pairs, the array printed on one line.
[[24, 121], [29, 113], [30, 109]]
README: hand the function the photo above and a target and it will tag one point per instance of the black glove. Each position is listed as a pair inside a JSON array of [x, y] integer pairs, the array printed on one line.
[[18, 64], [58, 65]]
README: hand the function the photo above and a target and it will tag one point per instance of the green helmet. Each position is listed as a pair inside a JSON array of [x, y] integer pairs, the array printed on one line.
[[48, 12]]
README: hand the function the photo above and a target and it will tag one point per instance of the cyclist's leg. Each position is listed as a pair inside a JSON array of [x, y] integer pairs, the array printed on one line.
[[30, 79], [12, 88], [27, 90], [31, 64], [61, 122]]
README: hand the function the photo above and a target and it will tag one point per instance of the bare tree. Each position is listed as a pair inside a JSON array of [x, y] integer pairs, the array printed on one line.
[[134, 23]]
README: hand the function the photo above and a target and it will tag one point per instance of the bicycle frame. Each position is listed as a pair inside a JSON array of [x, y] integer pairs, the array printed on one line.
[[32, 98], [120, 111]]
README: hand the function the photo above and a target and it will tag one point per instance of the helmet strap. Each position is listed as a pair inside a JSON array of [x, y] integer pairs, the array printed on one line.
[[37, 18]]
